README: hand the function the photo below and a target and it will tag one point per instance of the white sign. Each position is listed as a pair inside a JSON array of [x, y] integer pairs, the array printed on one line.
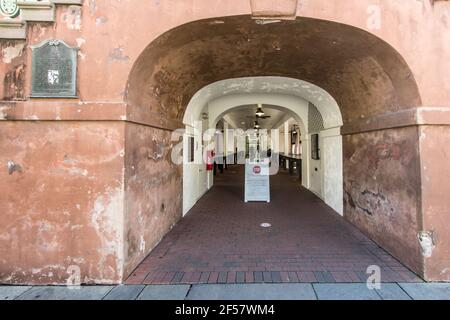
[[257, 181]]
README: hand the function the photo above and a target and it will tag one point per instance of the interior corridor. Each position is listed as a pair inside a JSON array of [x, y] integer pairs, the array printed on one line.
[[221, 240]]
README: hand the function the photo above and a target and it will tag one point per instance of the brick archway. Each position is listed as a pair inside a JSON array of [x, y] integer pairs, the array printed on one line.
[[89, 183], [365, 75]]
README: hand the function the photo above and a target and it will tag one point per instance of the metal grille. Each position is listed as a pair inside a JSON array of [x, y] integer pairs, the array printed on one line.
[[315, 120]]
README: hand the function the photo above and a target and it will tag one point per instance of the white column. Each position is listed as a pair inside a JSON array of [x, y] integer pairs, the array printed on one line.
[[230, 143], [287, 145], [306, 158]]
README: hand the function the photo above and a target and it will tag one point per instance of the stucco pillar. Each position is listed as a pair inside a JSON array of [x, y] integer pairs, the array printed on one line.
[[434, 234], [382, 189]]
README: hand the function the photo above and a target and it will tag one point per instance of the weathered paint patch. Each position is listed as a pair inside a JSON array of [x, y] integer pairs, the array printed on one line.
[[13, 167], [11, 52], [80, 42], [426, 243], [107, 219], [72, 174], [14, 83], [101, 20], [72, 17], [4, 112], [92, 5], [382, 189], [118, 55]]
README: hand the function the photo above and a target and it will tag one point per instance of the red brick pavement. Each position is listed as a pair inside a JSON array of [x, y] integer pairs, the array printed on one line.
[[221, 241]]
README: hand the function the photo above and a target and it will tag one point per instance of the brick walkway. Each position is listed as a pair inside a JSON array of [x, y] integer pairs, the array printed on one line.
[[221, 241]]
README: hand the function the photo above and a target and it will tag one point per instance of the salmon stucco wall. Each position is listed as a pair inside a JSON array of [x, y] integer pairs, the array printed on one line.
[[61, 202], [382, 190], [153, 186], [87, 188], [435, 171]]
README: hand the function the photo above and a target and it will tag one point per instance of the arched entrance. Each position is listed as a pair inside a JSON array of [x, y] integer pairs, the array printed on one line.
[[296, 97], [89, 182], [365, 76]]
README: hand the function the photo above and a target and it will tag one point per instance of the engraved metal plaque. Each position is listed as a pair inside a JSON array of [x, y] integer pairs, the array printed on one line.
[[54, 70]]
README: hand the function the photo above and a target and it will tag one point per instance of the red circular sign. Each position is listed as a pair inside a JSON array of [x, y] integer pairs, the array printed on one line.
[[257, 169]]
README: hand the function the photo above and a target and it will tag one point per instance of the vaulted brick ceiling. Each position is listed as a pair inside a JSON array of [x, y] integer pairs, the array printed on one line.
[[364, 74]]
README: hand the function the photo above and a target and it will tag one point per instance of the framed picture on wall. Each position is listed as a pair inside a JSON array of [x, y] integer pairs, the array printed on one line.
[[315, 147]]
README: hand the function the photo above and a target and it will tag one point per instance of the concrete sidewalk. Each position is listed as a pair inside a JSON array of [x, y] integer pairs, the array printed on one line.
[[288, 291]]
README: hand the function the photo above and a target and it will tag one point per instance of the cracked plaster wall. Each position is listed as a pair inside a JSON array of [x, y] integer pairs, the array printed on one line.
[[64, 208]]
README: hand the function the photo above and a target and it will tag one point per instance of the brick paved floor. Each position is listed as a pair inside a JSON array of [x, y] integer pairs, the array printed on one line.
[[221, 241]]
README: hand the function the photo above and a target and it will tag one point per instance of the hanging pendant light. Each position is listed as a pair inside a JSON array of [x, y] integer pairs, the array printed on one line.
[[259, 112], [257, 126]]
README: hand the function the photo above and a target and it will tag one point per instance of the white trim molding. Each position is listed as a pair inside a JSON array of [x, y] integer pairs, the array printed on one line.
[[30, 11], [13, 29]]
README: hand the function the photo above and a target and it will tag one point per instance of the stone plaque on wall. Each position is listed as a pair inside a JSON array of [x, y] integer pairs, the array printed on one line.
[[54, 70]]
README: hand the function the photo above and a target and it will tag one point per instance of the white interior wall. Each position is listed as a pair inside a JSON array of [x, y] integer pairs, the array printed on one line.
[[190, 175], [205, 179], [332, 167], [196, 179]]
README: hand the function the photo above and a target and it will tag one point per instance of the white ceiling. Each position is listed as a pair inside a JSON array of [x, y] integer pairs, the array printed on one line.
[[244, 117], [265, 85]]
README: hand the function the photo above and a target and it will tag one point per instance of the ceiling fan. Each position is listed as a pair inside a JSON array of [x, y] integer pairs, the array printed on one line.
[[260, 114]]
